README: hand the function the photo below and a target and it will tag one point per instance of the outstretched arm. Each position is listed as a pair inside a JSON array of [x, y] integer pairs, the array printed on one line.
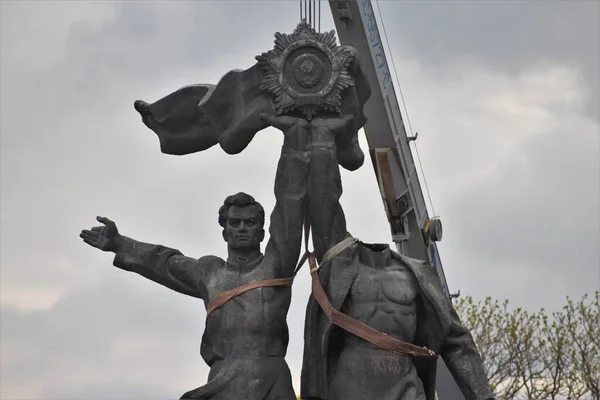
[[163, 265], [464, 362], [325, 185], [160, 264], [290, 193]]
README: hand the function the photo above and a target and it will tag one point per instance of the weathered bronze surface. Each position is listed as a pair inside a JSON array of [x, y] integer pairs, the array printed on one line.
[[314, 92]]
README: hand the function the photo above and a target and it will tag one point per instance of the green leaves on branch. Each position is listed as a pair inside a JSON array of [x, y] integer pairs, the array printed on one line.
[[537, 355]]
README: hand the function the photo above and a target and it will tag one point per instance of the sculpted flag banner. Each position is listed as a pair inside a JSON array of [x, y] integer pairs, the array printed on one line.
[[197, 117]]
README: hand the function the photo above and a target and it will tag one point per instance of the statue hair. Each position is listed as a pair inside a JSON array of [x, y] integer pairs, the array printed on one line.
[[240, 200]]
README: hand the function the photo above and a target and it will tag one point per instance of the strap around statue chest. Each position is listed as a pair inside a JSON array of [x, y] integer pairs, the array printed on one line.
[[227, 295], [352, 325]]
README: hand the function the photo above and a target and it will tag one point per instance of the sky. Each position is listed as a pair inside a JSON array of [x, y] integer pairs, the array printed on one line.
[[505, 97]]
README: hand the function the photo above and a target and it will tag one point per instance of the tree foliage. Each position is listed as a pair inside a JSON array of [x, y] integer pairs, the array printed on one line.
[[537, 355]]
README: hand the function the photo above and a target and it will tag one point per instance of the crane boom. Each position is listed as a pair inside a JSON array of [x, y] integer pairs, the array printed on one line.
[[413, 231]]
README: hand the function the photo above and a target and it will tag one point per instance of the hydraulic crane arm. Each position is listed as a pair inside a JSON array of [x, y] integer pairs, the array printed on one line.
[[413, 231]]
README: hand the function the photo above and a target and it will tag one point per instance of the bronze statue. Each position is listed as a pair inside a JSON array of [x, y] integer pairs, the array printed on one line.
[[246, 335], [376, 320], [400, 318], [247, 297]]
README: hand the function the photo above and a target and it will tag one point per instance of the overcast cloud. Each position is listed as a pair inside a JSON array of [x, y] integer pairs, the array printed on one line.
[[505, 96]]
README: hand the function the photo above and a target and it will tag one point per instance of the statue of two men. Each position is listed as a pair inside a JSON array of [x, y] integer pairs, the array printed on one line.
[[247, 296]]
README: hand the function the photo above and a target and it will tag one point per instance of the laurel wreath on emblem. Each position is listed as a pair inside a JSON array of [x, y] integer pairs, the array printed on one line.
[[306, 71]]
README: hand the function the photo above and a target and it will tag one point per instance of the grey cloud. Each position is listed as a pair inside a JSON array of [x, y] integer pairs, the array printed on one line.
[[500, 35], [153, 38], [557, 173], [542, 214], [145, 44], [100, 328]]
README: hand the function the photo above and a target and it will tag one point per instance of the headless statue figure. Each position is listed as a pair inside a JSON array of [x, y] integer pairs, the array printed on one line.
[[394, 294], [385, 296]]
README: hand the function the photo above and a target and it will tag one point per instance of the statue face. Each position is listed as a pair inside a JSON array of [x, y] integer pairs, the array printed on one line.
[[244, 230]]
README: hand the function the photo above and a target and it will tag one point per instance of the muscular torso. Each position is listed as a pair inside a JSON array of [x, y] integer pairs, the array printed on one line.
[[385, 296], [252, 324], [385, 299]]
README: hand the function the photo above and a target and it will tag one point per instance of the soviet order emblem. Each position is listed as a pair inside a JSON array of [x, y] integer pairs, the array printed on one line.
[[306, 71]]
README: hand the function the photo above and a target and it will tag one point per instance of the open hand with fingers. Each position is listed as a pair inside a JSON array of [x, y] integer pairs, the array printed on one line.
[[105, 238]]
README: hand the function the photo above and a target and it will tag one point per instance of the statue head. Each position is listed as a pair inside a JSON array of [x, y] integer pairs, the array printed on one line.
[[242, 219]]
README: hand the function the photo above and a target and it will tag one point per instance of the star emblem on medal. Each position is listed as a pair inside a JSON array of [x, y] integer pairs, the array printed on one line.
[[306, 71]]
